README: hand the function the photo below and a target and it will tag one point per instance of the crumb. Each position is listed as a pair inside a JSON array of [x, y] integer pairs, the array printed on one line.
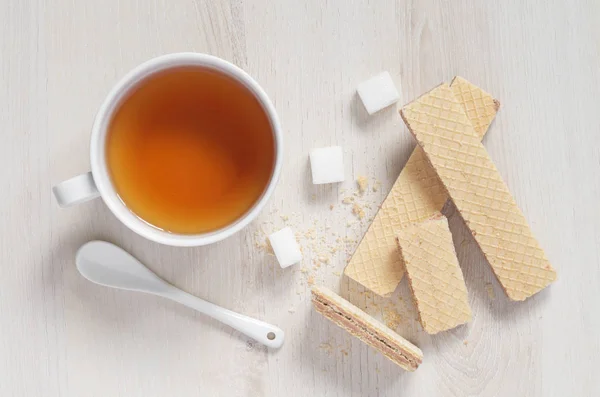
[[466, 342], [310, 234], [284, 218], [304, 270], [490, 291], [333, 250], [358, 211], [345, 352], [311, 280], [331, 207], [337, 274], [326, 347], [348, 200], [324, 259], [313, 197], [376, 185], [350, 223], [363, 184]]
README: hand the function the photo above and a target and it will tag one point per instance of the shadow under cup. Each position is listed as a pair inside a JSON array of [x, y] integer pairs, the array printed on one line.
[[191, 150]]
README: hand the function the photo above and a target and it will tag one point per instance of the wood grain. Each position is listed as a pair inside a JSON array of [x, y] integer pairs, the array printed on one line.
[[62, 336]]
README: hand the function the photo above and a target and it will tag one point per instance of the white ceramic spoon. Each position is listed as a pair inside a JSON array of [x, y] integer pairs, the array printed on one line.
[[106, 264]]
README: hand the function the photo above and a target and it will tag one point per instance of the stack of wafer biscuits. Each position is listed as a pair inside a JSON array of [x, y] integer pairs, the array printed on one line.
[[416, 196], [409, 235], [453, 148]]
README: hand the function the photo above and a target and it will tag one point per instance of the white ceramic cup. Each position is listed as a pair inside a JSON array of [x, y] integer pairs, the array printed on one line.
[[97, 183]]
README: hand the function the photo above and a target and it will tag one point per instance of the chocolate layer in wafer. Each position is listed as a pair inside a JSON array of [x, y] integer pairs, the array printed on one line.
[[366, 328]]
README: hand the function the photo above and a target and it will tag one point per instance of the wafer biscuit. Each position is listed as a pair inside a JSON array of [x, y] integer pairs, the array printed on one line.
[[416, 195], [435, 278], [453, 148], [366, 328]]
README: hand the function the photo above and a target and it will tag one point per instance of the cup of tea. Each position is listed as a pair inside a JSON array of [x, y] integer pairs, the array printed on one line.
[[185, 150]]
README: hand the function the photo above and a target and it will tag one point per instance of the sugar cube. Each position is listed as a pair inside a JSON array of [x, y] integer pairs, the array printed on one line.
[[327, 165], [285, 247], [378, 92]]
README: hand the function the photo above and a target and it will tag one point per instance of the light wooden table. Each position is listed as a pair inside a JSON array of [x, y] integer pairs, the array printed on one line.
[[62, 336]]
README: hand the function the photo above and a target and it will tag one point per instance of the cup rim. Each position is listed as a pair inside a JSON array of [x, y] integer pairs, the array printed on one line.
[[98, 144]]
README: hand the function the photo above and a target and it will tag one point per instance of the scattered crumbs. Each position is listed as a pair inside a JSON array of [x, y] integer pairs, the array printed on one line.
[[310, 234], [313, 197], [392, 318], [343, 191], [348, 200], [376, 185], [333, 250], [331, 206], [368, 294], [345, 352], [338, 240], [490, 291], [324, 259], [284, 218], [311, 280], [350, 223], [304, 270], [337, 273], [362, 183], [326, 347], [265, 246], [466, 342], [358, 211]]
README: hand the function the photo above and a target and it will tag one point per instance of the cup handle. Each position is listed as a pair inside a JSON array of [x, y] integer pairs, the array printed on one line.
[[76, 190]]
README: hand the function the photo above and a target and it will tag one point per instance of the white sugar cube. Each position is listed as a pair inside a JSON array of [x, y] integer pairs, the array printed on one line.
[[286, 247], [378, 92], [327, 165]]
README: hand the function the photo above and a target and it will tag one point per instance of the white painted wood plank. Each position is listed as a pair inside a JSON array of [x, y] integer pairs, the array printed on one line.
[[62, 336]]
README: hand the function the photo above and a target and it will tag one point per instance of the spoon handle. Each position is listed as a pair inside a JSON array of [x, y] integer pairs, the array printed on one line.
[[267, 334]]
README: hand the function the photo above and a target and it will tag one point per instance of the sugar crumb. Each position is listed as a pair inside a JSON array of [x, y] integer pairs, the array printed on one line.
[[348, 200], [331, 207], [466, 342], [311, 280]]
